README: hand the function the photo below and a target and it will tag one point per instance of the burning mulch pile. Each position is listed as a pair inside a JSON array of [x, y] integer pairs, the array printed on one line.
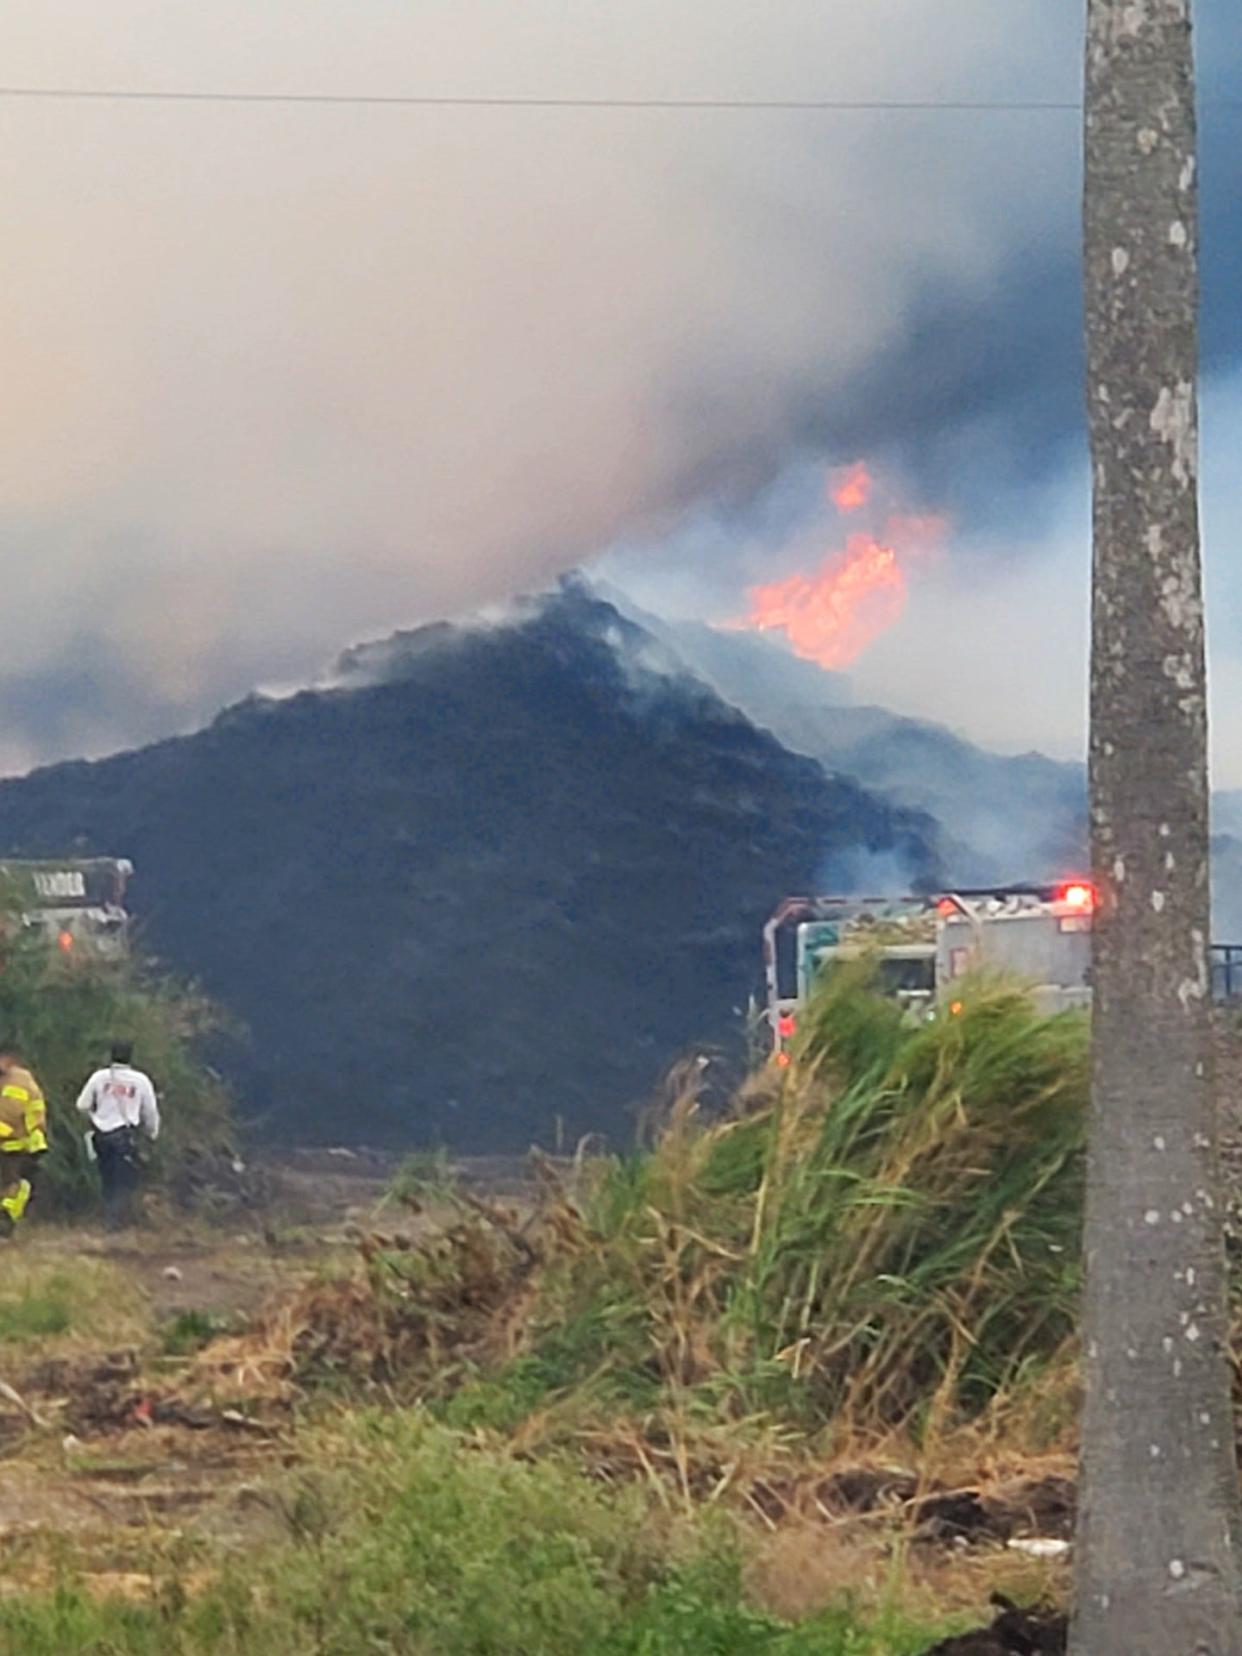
[[1014, 1632]]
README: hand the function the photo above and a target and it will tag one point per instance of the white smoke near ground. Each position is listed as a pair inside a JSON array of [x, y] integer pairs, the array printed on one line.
[[280, 377], [858, 872]]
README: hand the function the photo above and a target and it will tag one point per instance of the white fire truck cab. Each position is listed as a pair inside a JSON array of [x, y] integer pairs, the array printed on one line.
[[923, 945]]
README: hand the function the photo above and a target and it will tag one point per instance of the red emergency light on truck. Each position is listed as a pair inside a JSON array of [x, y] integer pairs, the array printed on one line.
[[77, 903], [923, 945]]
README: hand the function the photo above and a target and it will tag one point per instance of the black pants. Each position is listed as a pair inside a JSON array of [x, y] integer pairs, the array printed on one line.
[[117, 1156]]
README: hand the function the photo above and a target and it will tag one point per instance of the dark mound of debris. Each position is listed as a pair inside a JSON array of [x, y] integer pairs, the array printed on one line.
[[1025, 1507], [1015, 1632], [92, 1392]]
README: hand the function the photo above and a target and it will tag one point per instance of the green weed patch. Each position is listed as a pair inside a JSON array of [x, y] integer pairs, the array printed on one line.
[[405, 1538]]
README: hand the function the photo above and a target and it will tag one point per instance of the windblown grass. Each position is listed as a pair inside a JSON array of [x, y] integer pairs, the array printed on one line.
[[890, 1233], [883, 1237]]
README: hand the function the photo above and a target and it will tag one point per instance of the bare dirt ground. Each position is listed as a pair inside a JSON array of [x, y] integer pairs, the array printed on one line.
[[230, 1269], [314, 1201]]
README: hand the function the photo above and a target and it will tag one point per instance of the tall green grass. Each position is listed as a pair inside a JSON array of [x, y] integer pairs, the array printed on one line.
[[888, 1234]]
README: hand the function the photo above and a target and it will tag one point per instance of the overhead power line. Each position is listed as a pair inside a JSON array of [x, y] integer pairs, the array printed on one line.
[[87, 94], [396, 100]]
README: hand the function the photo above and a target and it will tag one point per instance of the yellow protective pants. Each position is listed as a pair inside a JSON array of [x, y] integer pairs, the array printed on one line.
[[16, 1199], [17, 1175]]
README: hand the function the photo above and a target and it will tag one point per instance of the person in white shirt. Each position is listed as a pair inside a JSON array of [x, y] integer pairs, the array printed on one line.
[[121, 1104]]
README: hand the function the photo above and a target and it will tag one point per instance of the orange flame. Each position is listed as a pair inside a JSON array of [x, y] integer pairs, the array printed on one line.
[[851, 488], [832, 616]]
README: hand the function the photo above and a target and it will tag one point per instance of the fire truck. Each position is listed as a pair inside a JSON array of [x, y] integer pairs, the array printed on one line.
[[922, 946], [77, 904]]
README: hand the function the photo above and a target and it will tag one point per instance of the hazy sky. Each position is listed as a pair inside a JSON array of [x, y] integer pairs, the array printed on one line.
[[282, 377]]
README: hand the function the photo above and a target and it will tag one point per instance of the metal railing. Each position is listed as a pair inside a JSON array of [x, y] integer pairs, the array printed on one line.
[[1227, 971]]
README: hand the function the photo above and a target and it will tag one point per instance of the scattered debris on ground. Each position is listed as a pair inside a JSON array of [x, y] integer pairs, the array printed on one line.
[[188, 1423], [1014, 1632]]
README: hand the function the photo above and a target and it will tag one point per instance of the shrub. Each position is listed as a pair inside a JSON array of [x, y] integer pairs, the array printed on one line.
[[62, 1012]]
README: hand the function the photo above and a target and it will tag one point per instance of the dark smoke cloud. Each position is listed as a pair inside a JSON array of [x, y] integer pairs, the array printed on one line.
[[276, 379]]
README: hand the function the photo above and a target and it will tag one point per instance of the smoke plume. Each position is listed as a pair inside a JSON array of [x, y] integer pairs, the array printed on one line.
[[279, 377]]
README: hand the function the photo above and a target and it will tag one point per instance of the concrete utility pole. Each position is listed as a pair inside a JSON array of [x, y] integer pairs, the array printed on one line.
[[1156, 1571]]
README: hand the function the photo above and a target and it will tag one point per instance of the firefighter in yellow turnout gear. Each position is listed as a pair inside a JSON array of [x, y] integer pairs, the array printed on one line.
[[23, 1138]]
